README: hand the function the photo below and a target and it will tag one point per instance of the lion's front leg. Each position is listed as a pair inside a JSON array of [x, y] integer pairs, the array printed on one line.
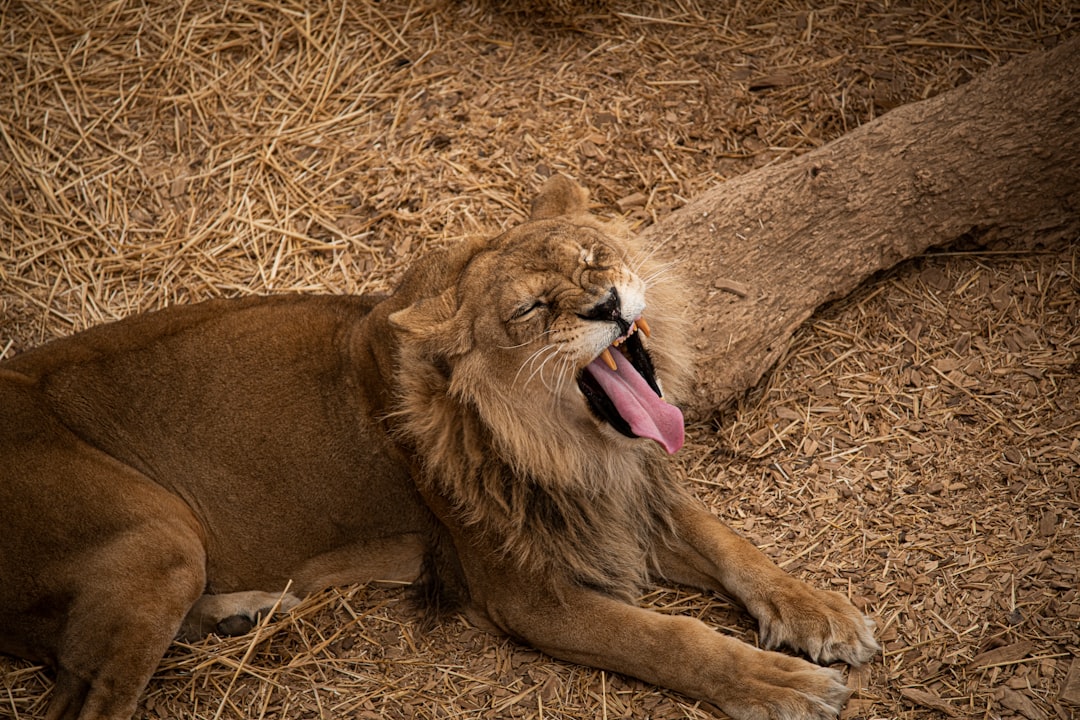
[[676, 652], [820, 623]]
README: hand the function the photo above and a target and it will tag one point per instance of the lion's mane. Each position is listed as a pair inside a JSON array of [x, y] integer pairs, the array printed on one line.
[[554, 502]]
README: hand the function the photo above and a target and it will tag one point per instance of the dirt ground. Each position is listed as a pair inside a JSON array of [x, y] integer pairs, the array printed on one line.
[[918, 447]]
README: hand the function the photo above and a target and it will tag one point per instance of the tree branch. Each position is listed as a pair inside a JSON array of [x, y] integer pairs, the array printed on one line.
[[996, 159]]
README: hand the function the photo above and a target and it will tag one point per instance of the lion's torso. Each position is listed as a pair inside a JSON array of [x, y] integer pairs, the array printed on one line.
[[261, 415], [303, 431]]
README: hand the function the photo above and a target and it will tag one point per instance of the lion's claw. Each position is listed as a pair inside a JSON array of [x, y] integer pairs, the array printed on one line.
[[820, 623]]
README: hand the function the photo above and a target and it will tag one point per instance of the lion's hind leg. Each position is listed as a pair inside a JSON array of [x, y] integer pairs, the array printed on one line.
[[99, 563], [118, 606], [232, 613], [129, 596]]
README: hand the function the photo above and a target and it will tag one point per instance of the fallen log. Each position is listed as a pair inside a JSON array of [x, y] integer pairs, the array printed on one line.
[[996, 159]]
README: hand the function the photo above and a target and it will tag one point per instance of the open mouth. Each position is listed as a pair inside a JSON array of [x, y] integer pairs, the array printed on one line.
[[621, 389]]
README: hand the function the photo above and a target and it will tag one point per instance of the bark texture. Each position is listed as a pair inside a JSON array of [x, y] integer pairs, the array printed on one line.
[[997, 159]]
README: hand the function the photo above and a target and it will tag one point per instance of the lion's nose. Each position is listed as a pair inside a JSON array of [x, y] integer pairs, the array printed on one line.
[[610, 310]]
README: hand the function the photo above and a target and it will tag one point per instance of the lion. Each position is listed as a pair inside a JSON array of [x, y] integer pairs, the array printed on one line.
[[496, 431]]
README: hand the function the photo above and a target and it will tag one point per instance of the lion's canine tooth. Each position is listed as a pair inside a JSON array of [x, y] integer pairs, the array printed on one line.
[[608, 360], [643, 326]]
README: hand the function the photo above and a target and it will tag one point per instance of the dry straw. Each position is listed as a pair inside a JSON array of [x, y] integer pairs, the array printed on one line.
[[917, 448]]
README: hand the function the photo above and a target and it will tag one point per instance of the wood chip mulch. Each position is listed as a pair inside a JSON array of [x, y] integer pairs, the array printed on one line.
[[918, 447]]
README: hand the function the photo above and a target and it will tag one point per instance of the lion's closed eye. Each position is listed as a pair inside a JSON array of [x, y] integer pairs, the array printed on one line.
[[529, 309]]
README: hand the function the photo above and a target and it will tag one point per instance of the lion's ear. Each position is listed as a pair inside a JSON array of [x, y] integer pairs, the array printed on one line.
[[559, 196], [434, 323]]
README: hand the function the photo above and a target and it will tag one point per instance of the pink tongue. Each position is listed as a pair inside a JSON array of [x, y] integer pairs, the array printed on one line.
[[649, 416]]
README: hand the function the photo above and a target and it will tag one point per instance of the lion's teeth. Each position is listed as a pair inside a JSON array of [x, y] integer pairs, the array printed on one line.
[[643, 326], [608, 360]]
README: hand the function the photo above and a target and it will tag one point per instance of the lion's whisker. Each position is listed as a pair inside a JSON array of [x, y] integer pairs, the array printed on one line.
[[560, 375], [527, 342], [648, 252], [659, 272], [643, 255], [564, 366], [554, 353], [640, 258], [530, 361], [554, 350]]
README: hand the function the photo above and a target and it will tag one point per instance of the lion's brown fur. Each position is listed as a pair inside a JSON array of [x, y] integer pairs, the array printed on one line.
[[176, 471]]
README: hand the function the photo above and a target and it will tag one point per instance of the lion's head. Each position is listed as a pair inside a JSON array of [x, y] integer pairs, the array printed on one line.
[[559, 334]]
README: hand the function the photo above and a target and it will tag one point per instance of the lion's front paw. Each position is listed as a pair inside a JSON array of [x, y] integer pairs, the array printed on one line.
[[773, 686], [820, 623]]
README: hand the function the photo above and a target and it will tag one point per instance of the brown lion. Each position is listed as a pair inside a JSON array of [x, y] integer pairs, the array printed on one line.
[[495, 429]]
